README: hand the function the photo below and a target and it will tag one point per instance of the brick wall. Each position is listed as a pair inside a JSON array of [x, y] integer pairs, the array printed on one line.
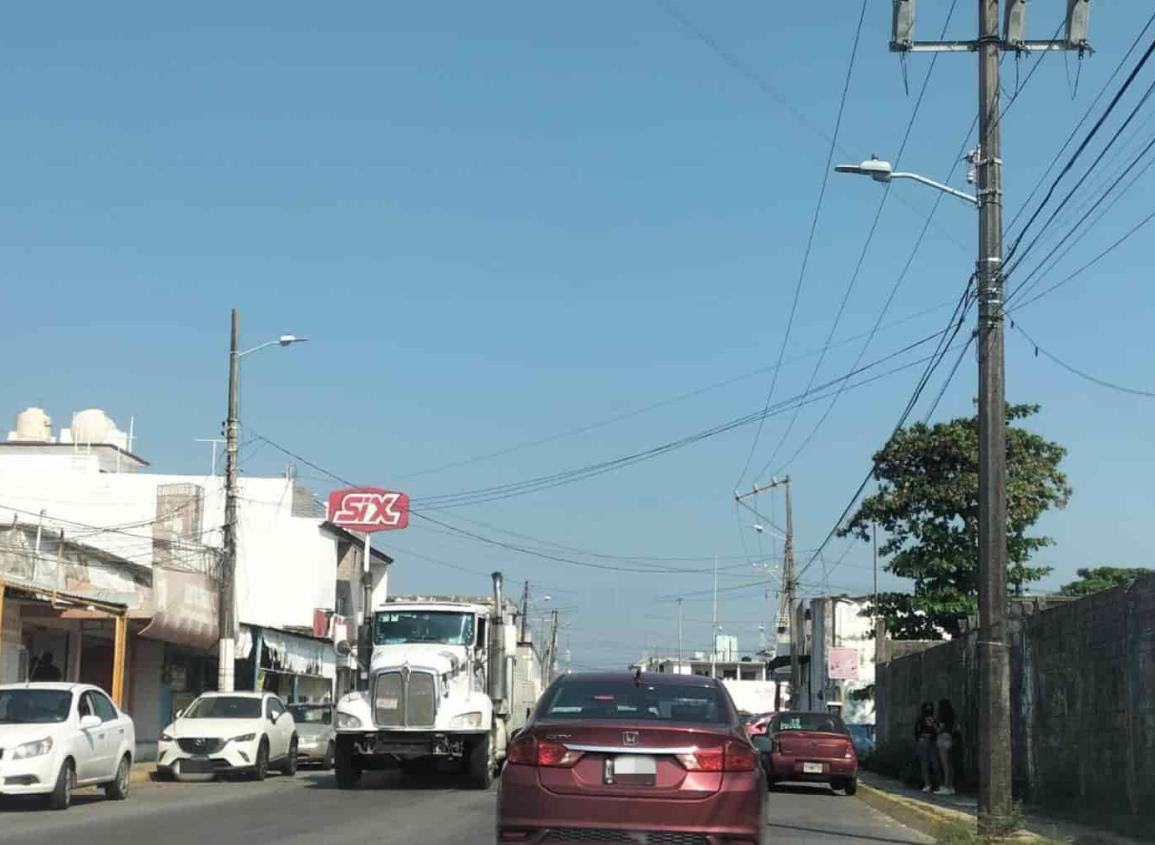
[[1082, 702]]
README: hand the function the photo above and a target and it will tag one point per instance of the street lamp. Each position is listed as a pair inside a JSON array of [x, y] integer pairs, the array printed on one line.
[[883, 171], [226, 601]]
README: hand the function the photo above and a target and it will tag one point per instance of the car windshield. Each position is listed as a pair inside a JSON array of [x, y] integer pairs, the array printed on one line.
[[34, 706], [394, 627], [224, 707], [817, 722], [626, 700], [304, 714]]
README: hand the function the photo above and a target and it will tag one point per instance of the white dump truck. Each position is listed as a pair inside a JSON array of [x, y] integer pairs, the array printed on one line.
[[449, 679]]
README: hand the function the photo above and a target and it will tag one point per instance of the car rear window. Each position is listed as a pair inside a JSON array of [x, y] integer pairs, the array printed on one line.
[[818, 722], [624, 700]]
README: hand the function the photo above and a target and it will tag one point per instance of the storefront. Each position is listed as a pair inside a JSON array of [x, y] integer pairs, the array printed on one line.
[[297, 667]]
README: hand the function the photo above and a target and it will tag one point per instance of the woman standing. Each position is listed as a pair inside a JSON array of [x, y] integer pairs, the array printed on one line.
[[925, 734], [945, 742]]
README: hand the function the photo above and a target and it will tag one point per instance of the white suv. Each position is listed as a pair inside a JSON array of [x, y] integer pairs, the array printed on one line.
[[229, 733], [56, 737]]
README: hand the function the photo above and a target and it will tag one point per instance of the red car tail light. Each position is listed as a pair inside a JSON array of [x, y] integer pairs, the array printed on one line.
[[555, 755], [734, 757], [849, 753], [523, 751], [740, 758], [528, 751]]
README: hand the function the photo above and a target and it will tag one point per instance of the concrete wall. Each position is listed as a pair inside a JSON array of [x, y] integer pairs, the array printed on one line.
[[1082, 702]]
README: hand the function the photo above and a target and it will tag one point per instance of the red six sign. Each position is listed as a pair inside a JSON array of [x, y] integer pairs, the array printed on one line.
[[369, 509]]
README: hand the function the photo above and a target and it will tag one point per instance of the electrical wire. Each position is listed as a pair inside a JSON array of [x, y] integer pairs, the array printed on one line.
[[865, 246], [1133, 391], [809, 248]]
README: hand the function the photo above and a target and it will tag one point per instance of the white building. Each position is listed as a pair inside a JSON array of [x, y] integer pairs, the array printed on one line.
[[298, 578], [837, 649]]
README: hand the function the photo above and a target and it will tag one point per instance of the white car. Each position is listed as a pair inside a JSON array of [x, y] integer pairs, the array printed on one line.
[[57, 737], [229, 733]]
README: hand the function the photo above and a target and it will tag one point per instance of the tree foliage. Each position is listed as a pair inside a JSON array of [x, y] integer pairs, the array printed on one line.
[[927, 505], [1098, 578]]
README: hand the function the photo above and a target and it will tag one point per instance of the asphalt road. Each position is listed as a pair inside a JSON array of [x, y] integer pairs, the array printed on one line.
[[309, 809]]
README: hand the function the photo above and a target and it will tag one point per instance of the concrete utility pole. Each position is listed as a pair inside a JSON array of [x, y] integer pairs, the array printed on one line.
[[524, 611], [788, 587], [995, 797], [226, 601], [714, 626], [679, 636], [549, 669]]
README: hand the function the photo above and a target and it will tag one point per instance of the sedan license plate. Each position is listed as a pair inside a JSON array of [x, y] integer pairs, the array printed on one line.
[[632, 769], [812, 768], [196, 766]]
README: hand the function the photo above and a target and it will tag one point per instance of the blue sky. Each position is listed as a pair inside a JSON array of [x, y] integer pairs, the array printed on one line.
[[497, 223]]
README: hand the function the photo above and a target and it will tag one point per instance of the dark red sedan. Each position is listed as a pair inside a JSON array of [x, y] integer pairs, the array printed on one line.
[[811, 747], [619, 757]]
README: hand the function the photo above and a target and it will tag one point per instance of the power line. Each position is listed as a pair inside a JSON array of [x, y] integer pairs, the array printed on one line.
[[809, 244], [1080, 373]]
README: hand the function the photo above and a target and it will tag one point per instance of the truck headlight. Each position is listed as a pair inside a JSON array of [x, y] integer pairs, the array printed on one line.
[[33, 749], [347, 721], [466, 721]]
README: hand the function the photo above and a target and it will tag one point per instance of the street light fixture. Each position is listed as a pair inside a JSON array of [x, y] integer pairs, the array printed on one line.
[[226, 601], [883, 171]]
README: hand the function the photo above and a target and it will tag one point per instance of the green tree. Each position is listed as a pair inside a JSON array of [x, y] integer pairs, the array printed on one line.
[[1098, 578], [927, 505]]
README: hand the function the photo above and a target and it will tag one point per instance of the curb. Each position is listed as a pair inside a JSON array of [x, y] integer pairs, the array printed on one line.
[[142, 773], [924, 818]]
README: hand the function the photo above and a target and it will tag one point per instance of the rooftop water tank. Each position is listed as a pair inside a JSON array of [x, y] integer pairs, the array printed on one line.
[[32, 426], [92, 426]]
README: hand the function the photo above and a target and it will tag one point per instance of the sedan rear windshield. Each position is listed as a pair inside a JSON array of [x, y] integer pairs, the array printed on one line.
[[34, 706], [817, 722], [306, 715], [225, 707], [624, 700]]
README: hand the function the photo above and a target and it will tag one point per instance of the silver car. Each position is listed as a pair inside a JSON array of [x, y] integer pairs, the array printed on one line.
[[316, 740]]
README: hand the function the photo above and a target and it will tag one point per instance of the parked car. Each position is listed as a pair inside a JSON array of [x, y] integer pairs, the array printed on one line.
[[813, 748], [317, 740], [863, 737], [55, 738], [618, 757], [229, 733]]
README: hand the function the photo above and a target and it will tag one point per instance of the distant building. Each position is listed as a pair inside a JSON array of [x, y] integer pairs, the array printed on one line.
[[837, 657]]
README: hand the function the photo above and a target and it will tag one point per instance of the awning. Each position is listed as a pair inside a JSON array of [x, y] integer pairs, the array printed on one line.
[[289, 653], [186, 609]]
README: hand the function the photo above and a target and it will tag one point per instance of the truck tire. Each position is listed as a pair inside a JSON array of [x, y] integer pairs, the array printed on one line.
[[345, 767], [479, 764]]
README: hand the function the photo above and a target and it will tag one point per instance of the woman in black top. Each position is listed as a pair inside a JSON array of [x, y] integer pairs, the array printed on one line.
[[925, 737]]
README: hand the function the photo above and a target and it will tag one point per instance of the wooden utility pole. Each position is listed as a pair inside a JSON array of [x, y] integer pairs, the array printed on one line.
[[788, 587]]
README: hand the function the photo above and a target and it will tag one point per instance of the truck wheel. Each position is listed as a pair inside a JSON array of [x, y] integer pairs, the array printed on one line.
[[346, 768], [479, 765]]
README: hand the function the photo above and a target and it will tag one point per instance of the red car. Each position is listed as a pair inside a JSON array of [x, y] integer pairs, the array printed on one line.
[[620, 757], [811, 747]]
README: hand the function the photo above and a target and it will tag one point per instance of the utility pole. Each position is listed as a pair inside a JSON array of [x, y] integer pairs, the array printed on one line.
[[787, 590], [714, 626], [679, 636], [552, 647], [995, 804], [226, 601], [524, 611]]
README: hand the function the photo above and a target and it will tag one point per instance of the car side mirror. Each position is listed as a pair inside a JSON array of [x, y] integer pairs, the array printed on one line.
[[87, 723]]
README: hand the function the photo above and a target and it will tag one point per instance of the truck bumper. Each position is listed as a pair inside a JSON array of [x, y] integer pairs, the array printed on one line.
[[411, 745]]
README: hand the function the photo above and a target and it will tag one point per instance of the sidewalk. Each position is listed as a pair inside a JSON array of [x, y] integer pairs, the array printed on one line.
[[927, 812], [142, 772]]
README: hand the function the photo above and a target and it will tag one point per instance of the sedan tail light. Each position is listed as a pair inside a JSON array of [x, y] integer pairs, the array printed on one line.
[[527, 750], [733, 757]]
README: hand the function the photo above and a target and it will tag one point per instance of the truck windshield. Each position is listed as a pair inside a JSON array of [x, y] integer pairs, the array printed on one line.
[[394, 627]]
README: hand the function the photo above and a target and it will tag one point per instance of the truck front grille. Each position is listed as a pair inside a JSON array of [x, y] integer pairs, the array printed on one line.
[[405, 699]]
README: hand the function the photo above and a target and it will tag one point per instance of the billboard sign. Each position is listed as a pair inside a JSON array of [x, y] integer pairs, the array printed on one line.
[[842, 664], [368, 509]]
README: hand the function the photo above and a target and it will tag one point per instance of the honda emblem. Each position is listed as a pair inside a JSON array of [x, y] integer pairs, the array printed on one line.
[[629, 737]]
